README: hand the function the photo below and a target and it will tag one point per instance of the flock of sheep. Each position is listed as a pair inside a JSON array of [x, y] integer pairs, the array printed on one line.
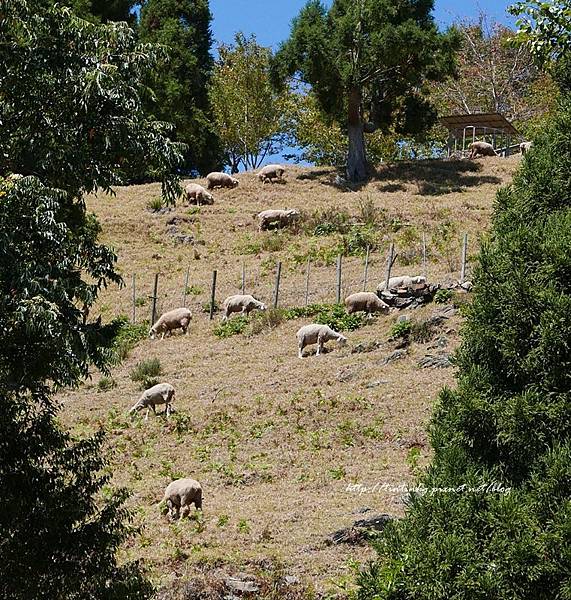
[[182, 493]]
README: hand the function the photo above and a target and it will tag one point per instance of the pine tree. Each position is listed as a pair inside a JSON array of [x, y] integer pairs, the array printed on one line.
[[181, 83], [368, 62]]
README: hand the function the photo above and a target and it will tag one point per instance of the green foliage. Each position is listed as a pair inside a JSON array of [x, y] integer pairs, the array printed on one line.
[[231, 327], [333, 315], [367, 64], [508, 422], [103, 10], [443, 296], [401, 329], [146, 371], [247, 111], [155, 204], [181, 80], [105, 384]]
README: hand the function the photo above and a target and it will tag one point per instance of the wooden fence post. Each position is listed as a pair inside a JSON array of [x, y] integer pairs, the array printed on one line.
[[134, 315], [424, 264], [464, 257], [277, 288], [307, 283], [390, 260], [338, 290], [366, 272], [213, 294], [154, 298], [185, 287], [243, 277]]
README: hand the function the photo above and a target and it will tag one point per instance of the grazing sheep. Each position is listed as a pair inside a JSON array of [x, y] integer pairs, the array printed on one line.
[[243, 303], [280, 218], [196, 194], [525, 147], [404, 281], [162, 393], [481, 149], [174, 319], [217, 179], [180, 494], [271, 172], [317, 334], [367, 302]]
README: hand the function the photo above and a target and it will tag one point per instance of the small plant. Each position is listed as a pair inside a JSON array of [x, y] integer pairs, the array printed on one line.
[[231, 327], [412, 460], [140, 301], [168, 470], [422, 331], [243, 526], [274, 241], [206, 307], [401, 329], [337, 473], [146, 370], [194, 290], [443, 296], [155, 204], [223, 520], [121, 336], [105, 384]]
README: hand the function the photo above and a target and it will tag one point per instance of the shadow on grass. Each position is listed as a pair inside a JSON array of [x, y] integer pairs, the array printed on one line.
[[432, 177]]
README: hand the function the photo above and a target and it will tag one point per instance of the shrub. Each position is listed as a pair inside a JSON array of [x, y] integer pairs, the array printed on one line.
[[146, 371], [443, 296], [105, 384], [508, 422], [231, 327], [155, 204], [121, 336], [401, 329]]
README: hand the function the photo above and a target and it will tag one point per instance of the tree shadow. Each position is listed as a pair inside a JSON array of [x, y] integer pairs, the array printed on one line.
[[432, 177]]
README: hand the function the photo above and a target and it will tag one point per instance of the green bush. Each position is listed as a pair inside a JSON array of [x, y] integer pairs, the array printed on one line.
[[120, 337], [105, 384], [401, 329], [508, 423], [231, 327], [155, 204], [146, 372], [443, 296]]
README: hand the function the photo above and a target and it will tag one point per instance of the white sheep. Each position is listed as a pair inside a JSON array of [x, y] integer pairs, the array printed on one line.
[[180, 494], [481, 149], [174, 319], [162, 393], [525, 147], [367, 302], [243, 303], [196, 194], [271, 172], [218, 179], [405, 281], [317, 334], [280, 218]]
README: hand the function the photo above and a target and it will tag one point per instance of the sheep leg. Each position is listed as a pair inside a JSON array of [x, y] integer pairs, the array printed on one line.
[[147, 414], [319, 346], [163, 336], [167, 410], [300, 351]]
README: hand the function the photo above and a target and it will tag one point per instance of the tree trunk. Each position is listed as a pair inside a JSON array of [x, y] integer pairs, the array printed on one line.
[[356, 158]]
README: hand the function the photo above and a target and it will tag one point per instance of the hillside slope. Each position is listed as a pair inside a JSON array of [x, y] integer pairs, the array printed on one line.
[[276, 440]]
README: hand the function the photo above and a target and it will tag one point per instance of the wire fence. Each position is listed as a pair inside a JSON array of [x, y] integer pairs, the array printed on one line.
[[276, 285]]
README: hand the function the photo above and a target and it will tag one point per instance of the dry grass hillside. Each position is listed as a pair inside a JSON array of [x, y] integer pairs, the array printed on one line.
[[275, 440]]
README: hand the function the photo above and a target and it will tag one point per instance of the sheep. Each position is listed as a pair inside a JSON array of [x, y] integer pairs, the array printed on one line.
[[243, 303], [162, 393], [403, 282], [196, 194], [180, 494], [525, 147], [217, 179], [317, 334], [481, 149], [367, 302], [280, 218], [271, 172], [174, 319]]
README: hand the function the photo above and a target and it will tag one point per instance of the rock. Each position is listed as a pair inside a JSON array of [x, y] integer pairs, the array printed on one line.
[[442, 314], [396, 355], [440, 342], [366, 347], [177, 220], [360, 530], [377, 383], [347, 373], [439, 361], [403, 318], [291, 579], [241, 585]]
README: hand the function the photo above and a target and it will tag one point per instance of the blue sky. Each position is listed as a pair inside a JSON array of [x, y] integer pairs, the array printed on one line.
[[270, 20]]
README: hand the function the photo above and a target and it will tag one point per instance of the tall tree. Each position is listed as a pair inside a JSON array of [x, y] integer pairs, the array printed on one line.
[[248, 113], [103, 10], [495, 522], [495, 76], [368, 62], [180, 83], [71, 114]]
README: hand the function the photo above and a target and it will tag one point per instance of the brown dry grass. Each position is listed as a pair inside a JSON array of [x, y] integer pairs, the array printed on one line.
[[274, 440]]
